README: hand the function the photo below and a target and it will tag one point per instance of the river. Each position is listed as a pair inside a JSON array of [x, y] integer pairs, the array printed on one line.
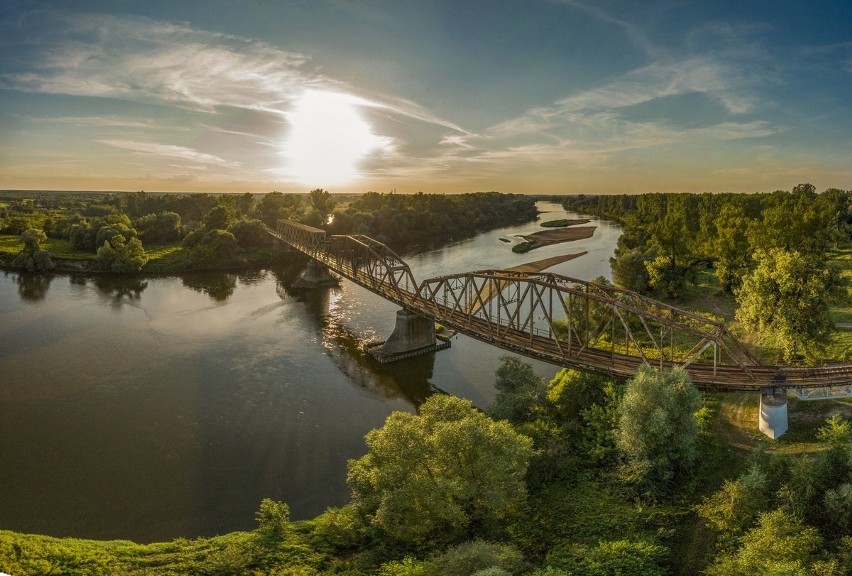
[[149, 409]]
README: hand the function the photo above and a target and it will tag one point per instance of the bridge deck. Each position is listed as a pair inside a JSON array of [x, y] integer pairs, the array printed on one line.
[[560, 320]]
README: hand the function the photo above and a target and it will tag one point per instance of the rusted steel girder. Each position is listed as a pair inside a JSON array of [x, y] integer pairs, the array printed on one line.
[[561, 320]]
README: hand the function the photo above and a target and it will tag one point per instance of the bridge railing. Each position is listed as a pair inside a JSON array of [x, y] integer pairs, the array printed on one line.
[[577, 320], [562, 320], [360, 258]]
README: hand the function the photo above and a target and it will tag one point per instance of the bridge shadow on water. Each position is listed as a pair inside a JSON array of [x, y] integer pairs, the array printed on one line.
[[409, 380]]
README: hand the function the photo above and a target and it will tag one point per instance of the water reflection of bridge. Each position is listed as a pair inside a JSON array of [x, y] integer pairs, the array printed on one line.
[[563, 321]]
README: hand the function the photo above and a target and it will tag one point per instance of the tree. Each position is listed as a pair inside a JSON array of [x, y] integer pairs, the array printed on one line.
[[120, 255], [32, 257], [277, 206], [444, 475], [629, 270], [321, 206], [250, 234], [735, 507], [477, 556], [780, 544], [658, 426], [159, 228], [520, 391], [219, 218], [32, 238], [731, 248], [786, 300]]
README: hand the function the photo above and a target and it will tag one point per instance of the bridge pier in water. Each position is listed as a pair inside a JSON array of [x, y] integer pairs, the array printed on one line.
[[315, 275], [412, 335], [773, 412]]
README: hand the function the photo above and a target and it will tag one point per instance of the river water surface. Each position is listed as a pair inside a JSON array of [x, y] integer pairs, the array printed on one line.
[[148, 409]]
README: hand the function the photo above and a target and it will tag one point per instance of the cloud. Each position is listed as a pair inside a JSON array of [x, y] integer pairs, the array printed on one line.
[[145, 60], [168, 151]]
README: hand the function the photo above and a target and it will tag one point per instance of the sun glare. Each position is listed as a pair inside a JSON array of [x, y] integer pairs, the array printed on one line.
[[327, 139]]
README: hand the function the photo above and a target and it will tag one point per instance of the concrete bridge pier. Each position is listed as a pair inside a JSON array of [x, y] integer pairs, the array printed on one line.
[[412, 335], [773, 412], [315, 275]]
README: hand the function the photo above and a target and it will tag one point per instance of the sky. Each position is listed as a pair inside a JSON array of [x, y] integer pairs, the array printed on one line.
[[522, 96]]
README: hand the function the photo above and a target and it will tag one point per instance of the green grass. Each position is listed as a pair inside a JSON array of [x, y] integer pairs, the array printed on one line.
[[59, 249]]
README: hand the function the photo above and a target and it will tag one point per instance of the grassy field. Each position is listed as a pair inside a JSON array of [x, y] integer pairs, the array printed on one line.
[[59, 249]]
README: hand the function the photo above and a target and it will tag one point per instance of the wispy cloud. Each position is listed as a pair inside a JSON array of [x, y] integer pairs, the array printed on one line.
[[168, 151], [145, 60]]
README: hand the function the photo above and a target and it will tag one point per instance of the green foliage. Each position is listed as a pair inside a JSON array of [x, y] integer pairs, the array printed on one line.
[[277, 206], [120, 255], [32, 239], [838, 506], [611, 558], [561, 223], [735, 507], [836, 431], [578, 511], [630, 270], [32, 258], [786, 299], [161, 228], [602, 425], [250, 234], [477, 556], [443, 475], [273, 520], [523, 247], [408, 566], [340, 528], [779, 544], [658, 429], [219, 218], [213, 249], [666, 276], [39, 261], [402, 220], [519, 391]]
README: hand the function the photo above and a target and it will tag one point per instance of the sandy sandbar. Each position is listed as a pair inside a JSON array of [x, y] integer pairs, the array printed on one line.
[[558, 235]]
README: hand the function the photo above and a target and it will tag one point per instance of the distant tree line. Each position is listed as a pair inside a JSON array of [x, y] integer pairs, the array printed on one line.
[[407, 220], [230, 230]]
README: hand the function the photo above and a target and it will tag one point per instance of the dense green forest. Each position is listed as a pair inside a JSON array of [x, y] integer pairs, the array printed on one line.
[[781, 257], [167, 233]]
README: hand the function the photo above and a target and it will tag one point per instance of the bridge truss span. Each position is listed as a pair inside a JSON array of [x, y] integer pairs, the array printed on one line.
[[561, 320]]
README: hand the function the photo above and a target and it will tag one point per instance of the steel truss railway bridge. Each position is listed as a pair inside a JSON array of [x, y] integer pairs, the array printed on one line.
[[560, 320]]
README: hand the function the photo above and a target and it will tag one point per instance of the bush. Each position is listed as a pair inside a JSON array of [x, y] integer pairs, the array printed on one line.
[[472, 557], [612, 558], [250, 234]]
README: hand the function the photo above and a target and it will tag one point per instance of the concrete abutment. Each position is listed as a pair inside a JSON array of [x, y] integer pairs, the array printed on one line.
[[412, 335], [773, 412], [315, 275]]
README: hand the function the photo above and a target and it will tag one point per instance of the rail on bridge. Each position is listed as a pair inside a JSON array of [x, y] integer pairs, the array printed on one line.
[[561, 320]]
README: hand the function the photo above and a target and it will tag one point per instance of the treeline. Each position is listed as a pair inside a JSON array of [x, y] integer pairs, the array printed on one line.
[[203, 231], [224, 231], [578, 476], [771, 251], [406, 220]]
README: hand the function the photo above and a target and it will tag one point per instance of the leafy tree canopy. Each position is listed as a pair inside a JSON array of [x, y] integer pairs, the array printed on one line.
[[446, 474]]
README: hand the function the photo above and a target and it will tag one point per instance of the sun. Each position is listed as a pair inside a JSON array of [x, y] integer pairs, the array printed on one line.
[[328, 138]]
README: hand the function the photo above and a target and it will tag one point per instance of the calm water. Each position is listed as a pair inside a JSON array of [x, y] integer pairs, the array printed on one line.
[[164, 407]]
